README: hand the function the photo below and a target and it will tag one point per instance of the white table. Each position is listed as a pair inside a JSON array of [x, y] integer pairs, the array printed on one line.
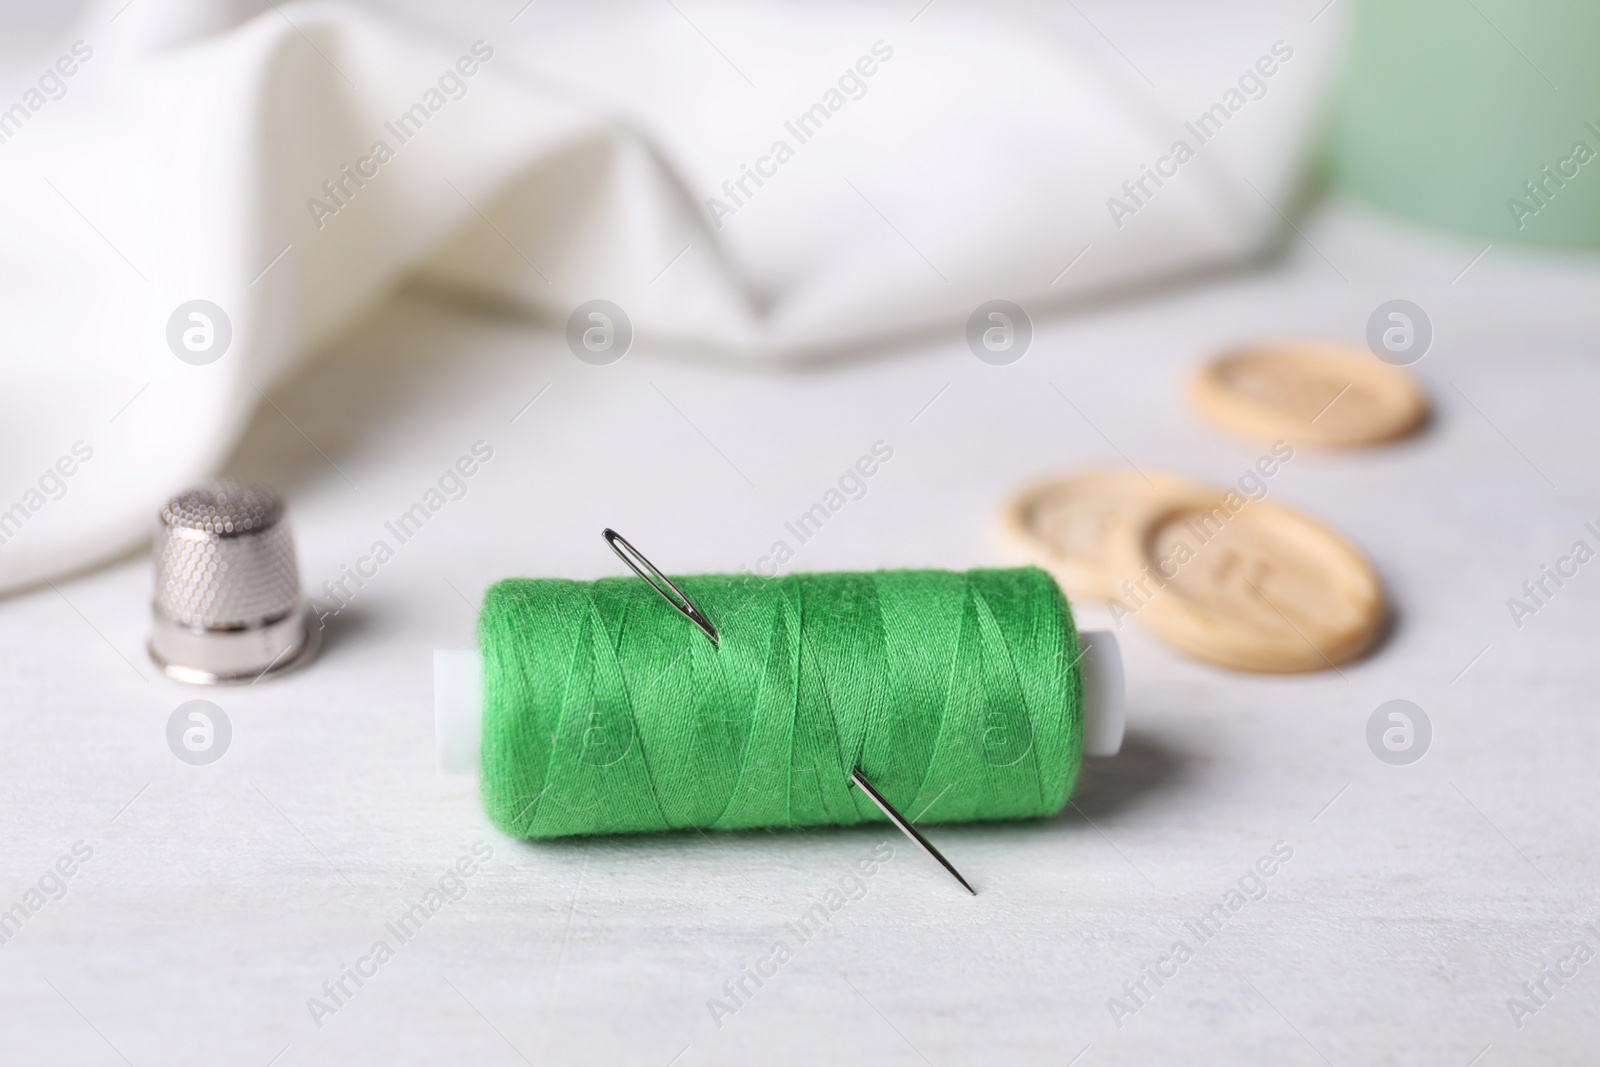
[[218, 899]]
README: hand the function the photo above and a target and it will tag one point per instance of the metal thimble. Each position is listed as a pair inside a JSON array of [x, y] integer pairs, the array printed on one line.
[[227, 594]]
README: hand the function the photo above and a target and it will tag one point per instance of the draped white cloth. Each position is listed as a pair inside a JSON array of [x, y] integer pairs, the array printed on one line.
[[289, 166]]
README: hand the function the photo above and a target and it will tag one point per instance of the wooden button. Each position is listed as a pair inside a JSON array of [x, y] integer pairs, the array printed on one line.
[[1260, 588], [1309, 392], [1062, 525]]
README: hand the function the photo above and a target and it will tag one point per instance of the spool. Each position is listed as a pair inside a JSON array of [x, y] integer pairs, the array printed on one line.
[[534, 787]]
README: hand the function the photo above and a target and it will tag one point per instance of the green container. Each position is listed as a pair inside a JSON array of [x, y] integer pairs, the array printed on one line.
[[1482, 116]]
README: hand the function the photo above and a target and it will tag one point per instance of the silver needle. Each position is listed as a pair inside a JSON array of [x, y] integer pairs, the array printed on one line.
[[629, 555], [907, 829], [676, 597]]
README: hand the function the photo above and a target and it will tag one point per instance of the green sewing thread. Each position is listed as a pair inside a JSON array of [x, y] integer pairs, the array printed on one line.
[[607, 711]]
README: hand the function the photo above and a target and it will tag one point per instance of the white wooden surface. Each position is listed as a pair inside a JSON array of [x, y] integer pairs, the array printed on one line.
[[1418, 899]]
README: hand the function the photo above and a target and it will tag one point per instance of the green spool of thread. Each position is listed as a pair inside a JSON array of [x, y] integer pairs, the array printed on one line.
[[604, 710]]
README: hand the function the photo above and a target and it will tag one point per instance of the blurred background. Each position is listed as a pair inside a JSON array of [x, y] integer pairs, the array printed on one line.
[[397, 221], [859, 197]]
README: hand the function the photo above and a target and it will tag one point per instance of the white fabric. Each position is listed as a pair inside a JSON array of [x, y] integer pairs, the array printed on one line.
[[181, 161]]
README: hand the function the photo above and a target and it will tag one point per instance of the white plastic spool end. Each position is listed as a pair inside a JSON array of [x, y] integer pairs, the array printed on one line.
[[457, 709], [1104, 693]]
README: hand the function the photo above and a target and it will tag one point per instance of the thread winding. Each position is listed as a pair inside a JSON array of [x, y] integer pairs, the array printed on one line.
[[606, 711]]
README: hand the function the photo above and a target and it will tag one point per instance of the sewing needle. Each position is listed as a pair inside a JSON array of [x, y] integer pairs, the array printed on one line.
[[906, 828]]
